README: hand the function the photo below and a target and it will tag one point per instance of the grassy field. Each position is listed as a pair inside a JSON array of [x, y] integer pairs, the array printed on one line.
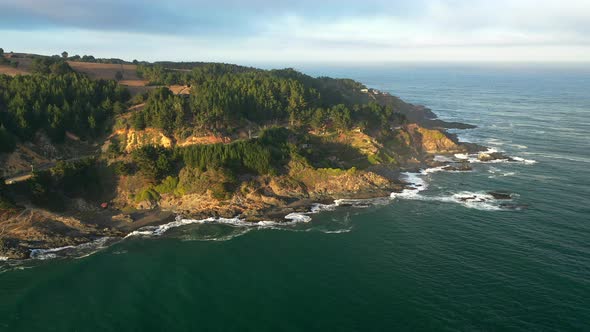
[[24, 66], [93, 70], [108, 71]]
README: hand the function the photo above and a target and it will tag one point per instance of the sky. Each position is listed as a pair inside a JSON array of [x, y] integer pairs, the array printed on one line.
[[302, 31]]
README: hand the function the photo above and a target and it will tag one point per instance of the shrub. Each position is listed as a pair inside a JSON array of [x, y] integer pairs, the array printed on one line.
[[153, 162], [168, 186], [121, 168], [148, 194]]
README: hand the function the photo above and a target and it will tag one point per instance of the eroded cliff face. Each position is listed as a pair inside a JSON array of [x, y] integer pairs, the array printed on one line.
[[131, 139], [427, 141], [434, 141], [206, 192]]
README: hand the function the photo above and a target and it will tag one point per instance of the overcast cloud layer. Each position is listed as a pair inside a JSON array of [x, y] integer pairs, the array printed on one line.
[[306, 31]]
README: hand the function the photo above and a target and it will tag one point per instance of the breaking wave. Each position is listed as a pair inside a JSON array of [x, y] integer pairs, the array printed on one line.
[[484, 201], [473, 158], [78, 251]]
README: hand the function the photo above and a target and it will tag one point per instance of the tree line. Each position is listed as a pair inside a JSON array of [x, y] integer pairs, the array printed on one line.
[[225, 97], [264, 155], [56, 102]]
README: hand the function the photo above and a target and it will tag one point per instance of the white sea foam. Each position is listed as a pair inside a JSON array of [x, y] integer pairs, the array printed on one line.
[[81, 250], [502, 175], [298, 217], [238, 231], [434, 170], [317, 207], [339, 231], [474, 158], [525, 161], [496, 173], [462, 156], [417, 184], [443, 159], [360, 203], [473, 200], [150, 231]]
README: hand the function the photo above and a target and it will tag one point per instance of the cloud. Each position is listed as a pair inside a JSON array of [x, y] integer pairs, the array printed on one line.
[[370, 30]]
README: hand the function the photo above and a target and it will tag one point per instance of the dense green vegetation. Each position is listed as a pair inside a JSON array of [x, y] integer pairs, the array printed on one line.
[[46, 65], [226, 97], [51, 189], [168, 73], [255, 156], [163, 110], [56, 103], [263, 155], [211, 168], [153, 162]]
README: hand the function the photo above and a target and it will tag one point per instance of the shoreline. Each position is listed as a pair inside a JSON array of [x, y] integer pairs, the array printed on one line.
[[144, 221], [156, 222]]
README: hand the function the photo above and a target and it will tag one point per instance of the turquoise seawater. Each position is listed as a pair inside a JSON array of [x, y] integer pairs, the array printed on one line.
[[424, 261]]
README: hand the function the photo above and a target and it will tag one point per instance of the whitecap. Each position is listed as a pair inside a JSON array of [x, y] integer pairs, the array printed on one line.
[[524, 161], [417, 184], [79, 251], [317, 207], [443, 159], [496, 173], [159, 230], [298, 217], [360, 203], [474, 158], [339, 231], [150, 231], [474, 200], [433, 170], [216, 238]]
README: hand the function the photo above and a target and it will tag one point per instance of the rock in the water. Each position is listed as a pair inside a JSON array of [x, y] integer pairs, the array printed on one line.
[[462, 167], [467, 198], [484, 156]]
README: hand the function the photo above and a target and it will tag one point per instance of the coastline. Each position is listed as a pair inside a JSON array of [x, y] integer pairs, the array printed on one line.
[[97, 228], [156, 222]]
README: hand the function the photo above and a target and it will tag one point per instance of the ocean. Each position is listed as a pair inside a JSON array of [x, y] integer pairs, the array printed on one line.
[[446, 256]]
